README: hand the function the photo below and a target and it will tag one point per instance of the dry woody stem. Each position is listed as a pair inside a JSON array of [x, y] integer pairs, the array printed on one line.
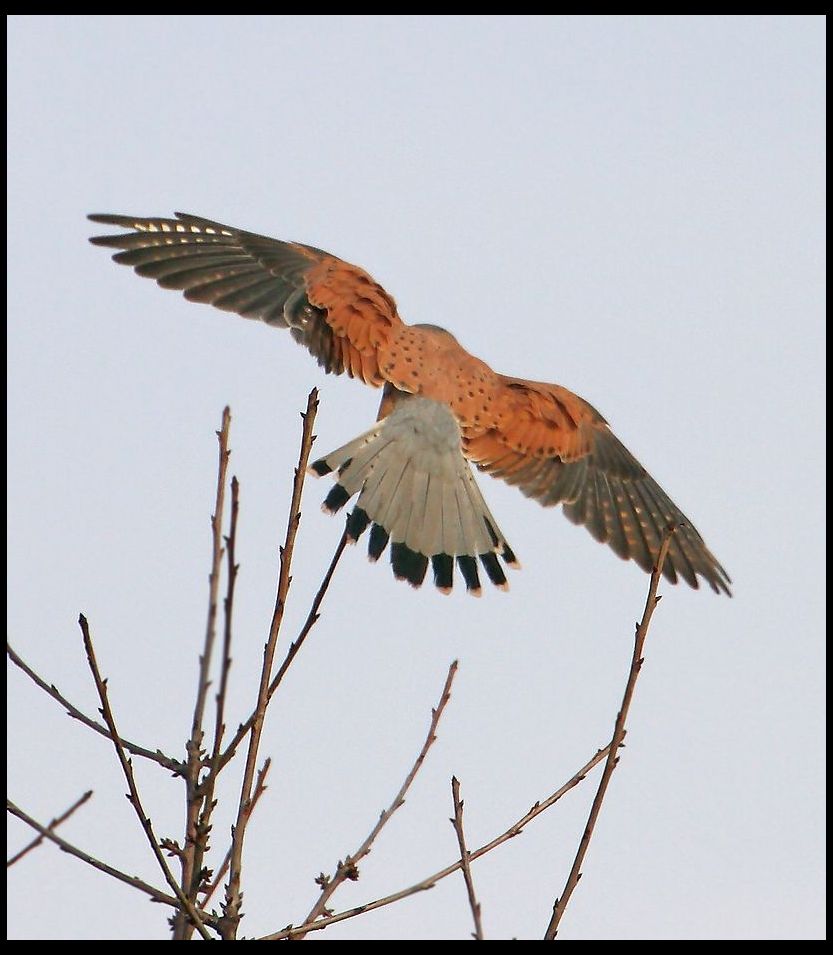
[[200, 771], [348, 869], [457, 822], [293, 931], [199, 799], [616, 741], [233, 898], [155, 894], [53, 825], [127, 768], [156, 756]]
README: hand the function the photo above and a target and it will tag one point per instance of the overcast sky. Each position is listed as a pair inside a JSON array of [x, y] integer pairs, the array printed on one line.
[[630, 207]]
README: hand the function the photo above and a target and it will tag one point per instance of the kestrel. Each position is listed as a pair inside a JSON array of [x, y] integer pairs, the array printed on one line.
[[441, 407]]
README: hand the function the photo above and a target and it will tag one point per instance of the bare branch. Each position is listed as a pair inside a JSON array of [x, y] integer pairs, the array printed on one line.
[[312, 619], [428, 883], [127, 768], [312, 616], [197, 828], [155, 894], [228, 605], [348, 869], [51, 827], [210, 781], [231, 906], [213, 591], [457, 822], [216, 881], [616, 741], [157, 756]]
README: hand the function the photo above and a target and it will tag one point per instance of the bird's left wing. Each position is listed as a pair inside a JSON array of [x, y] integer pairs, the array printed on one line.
[[559, 450], [333, 308]]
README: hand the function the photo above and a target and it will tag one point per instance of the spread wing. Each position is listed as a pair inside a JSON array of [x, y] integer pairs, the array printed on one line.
[[334, 309], [559, 450], [549, 442]]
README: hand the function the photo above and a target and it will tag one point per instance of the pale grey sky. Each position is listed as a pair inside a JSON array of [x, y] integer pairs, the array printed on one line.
[[630, 207]]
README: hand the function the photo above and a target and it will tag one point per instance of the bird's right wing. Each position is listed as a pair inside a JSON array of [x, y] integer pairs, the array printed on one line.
[[558, 449]]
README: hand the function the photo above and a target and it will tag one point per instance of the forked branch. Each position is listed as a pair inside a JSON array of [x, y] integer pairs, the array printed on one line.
[[457, 822], [348, 869], [430, 881], [127, 769], [156, 756], [199, 799], [231, 906]]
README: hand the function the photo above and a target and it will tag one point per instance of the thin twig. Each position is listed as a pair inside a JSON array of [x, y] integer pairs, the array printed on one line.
[[348, 869], [428, 883], [210, 780], [196, 835], [312, 619], [127, 769], [217, 878], [213, 584], [51, 827], [457, 822], [616, 741], [231, 905], [312, 616], [174, 765], [228, 605], [155, 894]]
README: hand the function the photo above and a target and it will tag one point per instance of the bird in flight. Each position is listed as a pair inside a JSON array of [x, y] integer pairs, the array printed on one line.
[[441, 408]]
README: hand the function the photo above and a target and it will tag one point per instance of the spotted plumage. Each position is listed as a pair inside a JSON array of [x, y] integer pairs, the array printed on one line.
[[441, 407]]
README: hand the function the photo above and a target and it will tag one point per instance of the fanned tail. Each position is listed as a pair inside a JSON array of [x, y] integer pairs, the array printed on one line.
[[417, 491]]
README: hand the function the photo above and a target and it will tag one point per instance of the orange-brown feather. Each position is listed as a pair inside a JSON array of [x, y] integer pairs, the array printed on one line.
[[360, 313]]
